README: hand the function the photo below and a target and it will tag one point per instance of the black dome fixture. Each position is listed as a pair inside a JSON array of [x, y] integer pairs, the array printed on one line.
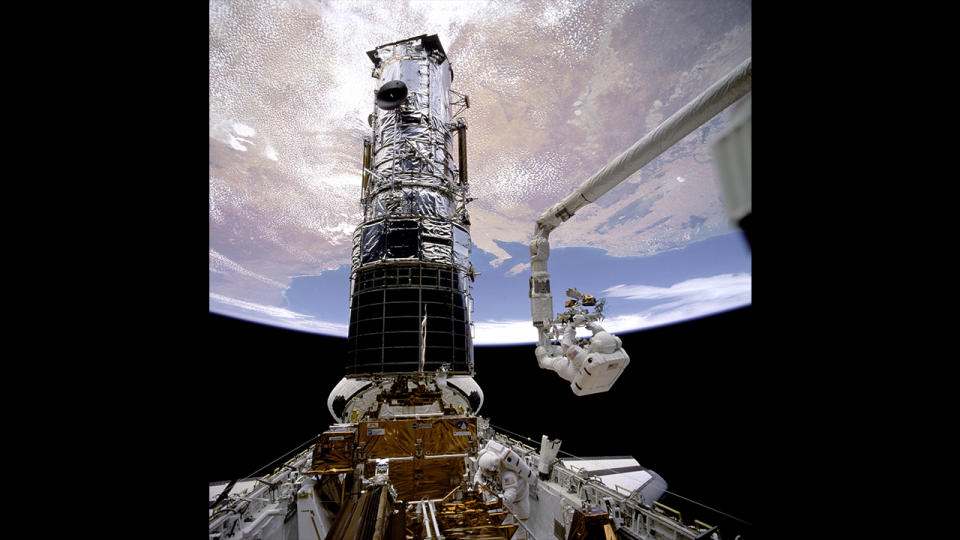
[[391, 95]]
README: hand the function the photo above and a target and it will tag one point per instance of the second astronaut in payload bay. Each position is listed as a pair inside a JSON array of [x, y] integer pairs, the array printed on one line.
[[502, 470]]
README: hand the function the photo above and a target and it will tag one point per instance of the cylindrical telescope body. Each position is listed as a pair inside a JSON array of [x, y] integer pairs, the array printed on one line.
[[411, 276]]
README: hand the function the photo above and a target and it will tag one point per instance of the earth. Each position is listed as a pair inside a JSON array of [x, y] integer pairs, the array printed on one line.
[[556, 88]]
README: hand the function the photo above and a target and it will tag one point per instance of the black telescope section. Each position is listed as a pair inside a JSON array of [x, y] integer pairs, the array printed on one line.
[[387, 311], [411, 281]]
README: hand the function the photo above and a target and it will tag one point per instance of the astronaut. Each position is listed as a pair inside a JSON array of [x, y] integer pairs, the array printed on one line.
[[567, 359], [501, 469]]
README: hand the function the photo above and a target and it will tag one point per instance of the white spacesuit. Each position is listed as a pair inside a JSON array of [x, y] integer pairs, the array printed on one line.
[[590, 369], [567, 359], [503, 470]]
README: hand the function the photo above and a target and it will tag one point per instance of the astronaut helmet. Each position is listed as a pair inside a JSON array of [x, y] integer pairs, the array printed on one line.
[[604, 342], [489, 462]]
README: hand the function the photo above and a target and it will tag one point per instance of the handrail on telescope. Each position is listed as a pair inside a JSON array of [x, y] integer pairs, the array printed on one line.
[[721, 94]]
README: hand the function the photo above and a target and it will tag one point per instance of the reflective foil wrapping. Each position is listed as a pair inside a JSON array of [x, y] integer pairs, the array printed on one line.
[[426, 478], [355, 254], [436, 228], [372, 239], [333, 453], [413, 143], [438, 446], [437, 253], [411, 274], [434, 437], [410, 200], [475, 519], [365, 517]]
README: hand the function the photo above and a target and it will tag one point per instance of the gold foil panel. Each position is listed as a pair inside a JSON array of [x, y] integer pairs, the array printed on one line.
[[456, 435], [418, 438], [474, 519], [483, 532], [333, 453], [589, 525], [431, 478]]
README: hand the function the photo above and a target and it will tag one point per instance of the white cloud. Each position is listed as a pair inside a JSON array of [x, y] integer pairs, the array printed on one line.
[[504, 332], [276, 316], [323, 181], [682, 301], [517, 269], [697, 289], [522, 331], [243, 130], [270, 152], [222, 265], [346, 228], [233, 133], [687, 299], [236, 143]]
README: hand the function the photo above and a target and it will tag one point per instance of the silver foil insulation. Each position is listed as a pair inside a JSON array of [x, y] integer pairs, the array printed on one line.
[[413, 171], [411, 272]]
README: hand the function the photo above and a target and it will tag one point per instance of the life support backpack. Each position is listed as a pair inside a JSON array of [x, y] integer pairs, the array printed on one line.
[[599, 371]]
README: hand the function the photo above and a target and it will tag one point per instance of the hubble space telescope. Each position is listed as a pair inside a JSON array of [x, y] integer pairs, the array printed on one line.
[[411, 276]]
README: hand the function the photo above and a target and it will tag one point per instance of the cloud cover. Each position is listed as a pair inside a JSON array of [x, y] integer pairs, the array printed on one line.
[[682, 301], [549, 82]]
